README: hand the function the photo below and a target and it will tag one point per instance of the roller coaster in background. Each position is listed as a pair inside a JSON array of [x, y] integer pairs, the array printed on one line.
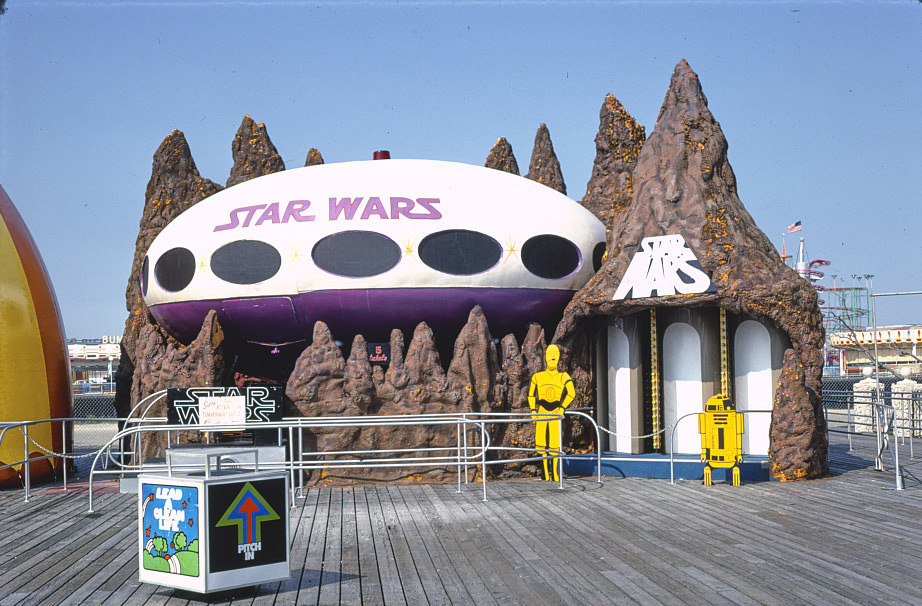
[[845, 308]]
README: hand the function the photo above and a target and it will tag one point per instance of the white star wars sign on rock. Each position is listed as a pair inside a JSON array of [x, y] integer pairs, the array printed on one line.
[[663, 266]]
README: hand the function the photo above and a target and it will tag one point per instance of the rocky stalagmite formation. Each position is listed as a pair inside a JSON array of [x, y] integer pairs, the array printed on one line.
[[160, 364], [475, 366], [174, 186], [617, 148], [502, 158], [683, 184], [544, 166], [325, 384], [313, 157], [254, 153]]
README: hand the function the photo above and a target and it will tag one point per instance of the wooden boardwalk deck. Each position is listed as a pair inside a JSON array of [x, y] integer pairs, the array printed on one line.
[[846, 539]]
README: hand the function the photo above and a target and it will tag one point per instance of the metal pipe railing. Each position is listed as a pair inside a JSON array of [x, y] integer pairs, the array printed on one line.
[[28, 460], [463, 457], [882, 418]]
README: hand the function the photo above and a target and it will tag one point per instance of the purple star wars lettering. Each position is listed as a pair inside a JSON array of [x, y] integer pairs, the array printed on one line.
[[340, 209], [397, 207], [243, 216]]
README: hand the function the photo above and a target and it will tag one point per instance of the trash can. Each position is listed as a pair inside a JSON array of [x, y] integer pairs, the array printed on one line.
[[213, 521]]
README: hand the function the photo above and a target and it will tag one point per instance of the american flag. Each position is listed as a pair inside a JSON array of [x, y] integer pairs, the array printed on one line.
[[794, 227]]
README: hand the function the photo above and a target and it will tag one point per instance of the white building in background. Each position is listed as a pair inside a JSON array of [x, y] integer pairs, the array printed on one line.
[[896, 346], [93, 361]]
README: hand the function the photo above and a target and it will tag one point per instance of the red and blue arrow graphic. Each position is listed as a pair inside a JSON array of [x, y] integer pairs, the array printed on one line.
[[248, 511]]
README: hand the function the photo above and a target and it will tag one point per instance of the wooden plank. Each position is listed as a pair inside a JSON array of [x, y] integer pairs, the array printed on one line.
[[409, 509], [712, 545], [810, 540], [709, 539], [96, 554], [312, 574], [637, 542], [370, 582], [391, 586], [102, 592], [419, 576], [118, 558], [301, 520], [459, 512], [350, 586], [332, 551], [132, 593], [47, 557], [692, 551], [627, 541], [60, 524], [777, 539], [473, 584], [540, 547]]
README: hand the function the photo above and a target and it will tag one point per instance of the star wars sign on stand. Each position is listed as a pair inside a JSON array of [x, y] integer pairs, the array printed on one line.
[[661, 267]]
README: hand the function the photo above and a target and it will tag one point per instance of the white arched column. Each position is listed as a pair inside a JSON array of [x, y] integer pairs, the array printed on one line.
[[752, 360], [619, 388], [682, 388]]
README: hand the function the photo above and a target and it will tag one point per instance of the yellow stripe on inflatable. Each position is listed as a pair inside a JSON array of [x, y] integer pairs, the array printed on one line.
[[23, 376]]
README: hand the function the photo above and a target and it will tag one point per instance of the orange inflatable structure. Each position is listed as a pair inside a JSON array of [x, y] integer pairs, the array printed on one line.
[[34, 366]]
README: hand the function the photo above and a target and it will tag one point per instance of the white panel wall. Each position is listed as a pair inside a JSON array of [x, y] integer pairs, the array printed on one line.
[[619, 388], [752, 358], [682, 389]]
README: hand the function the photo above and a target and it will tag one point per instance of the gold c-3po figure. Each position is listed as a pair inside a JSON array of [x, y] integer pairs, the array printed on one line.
[[721, 429], [550, 393]]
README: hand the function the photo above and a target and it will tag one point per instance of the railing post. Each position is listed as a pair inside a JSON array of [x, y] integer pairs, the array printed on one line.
[[26, 471], [878, 430], [459, 431], [300, 459], [291, 454], [483, 459], [64, 449], [896, 463], [672, 453], [466, 478], [849, 426], [560, 453]]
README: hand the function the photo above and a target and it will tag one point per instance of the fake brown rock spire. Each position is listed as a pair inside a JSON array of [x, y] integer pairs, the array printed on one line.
[[313, 157], [316, 386], [617, 148], [502, 158], [254, 153], [174, 186], [683, 184], [544, 166], [162, 363], [474, 365]]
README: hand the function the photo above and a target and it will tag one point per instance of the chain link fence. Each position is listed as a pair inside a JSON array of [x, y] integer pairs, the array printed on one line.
[[97, 425], [850, 412], [837, 383]]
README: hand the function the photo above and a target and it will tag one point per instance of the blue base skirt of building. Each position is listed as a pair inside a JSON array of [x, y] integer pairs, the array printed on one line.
[[656, 466]]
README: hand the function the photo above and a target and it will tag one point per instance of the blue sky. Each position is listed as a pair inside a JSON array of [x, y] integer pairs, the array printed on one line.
[[820, 103]]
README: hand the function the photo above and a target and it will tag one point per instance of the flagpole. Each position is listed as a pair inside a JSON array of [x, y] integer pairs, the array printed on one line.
[[793, 227]]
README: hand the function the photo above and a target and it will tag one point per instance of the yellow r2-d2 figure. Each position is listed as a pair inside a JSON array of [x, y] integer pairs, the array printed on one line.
[[721, 429]]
